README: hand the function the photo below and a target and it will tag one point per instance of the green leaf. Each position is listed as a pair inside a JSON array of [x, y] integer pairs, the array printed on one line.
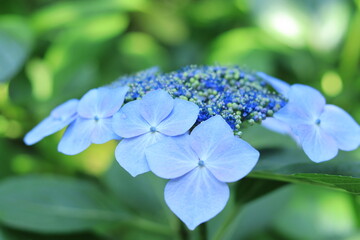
[[15, 45], [51, 204], [2, 235], [14, 234], [292, 165], [143, 194], [244, 220], [249, 189]]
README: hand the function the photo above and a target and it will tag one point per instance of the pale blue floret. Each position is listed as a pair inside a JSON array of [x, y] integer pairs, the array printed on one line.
[[321, 128], [146, 121], [94, 121], [279, 85], [272, 123], [199, 166], [59, 118]]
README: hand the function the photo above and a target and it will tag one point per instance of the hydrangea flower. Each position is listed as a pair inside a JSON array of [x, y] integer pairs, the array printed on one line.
[[60, 117], [322, 128], [199, 166], [238, 96], [146, 121], [94, 119]]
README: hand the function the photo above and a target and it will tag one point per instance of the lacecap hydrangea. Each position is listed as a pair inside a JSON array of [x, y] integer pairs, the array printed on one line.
[[186, 126]]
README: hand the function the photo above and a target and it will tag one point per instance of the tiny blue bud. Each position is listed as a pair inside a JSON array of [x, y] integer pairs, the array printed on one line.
[[201, 163]]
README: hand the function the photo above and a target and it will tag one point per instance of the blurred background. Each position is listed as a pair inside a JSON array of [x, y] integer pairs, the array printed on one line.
[[52, 50]]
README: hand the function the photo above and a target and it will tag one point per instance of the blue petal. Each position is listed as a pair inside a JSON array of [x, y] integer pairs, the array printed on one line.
[[317, 144], [181, 119], [77, 137], [341, 126], [65, 110], [102, 130], [292, 115], [130, 153], [59, 118], [101, 102], [171, 157], [128, 122], [305, 105], [232, 160], [279, 85], [196, 197], [276, 125], [156, 106], [208, 135]]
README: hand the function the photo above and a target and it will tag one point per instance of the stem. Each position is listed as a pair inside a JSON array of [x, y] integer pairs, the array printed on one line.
[[184, 234], [351, 51], [203, 231], [219, 235]]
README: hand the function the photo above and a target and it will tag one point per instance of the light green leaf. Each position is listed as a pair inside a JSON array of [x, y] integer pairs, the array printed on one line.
[[15, 45], [52, 204]]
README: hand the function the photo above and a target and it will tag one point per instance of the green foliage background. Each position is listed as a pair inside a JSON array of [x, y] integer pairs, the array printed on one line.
[[52, 50]]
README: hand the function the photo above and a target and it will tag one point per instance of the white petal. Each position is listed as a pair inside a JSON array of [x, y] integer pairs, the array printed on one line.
[[196, 197]]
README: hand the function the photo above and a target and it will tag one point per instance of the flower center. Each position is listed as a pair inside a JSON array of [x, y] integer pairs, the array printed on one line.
[[318, 121], [96, 118], [201, 163], [152, 129]]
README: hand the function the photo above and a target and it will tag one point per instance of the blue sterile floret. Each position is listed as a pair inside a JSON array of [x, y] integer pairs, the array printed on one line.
[[236, 95]]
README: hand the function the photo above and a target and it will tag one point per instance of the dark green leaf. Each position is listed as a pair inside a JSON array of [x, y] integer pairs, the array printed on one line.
[[292, 165], [342, 172], [249, 189], [52, 204]]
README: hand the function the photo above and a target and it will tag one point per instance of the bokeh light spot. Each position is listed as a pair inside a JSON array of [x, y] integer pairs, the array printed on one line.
[[331, 84]]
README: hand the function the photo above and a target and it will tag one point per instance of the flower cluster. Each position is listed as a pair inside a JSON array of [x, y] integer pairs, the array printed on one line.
[[236, 95], [185, 125]]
